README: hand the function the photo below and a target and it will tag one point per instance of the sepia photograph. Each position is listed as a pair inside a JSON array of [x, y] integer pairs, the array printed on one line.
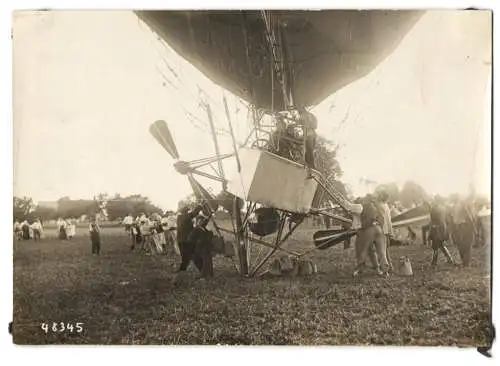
[[252, 177]]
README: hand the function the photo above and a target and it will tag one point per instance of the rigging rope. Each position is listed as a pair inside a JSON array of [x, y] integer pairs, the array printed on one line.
[[277, 52]]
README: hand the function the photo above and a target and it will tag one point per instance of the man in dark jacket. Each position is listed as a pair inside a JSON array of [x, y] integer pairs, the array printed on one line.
[[463, 232], [438, 234], [185, 227], [202, 240]]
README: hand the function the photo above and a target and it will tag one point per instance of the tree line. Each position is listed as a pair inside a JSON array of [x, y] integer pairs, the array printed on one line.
[[113, 207]]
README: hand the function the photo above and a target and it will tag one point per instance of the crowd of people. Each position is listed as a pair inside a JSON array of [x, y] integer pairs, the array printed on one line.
[[162, 228], [66, 228], [186, 232], [33, 229], [463, 223], [27, 231]]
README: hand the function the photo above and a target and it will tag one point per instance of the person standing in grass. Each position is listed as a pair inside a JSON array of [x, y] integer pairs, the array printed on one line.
[[202, 240], [127, 222], [463, 231], [484, 223], [169, 223], [37, 230], [17, 230], [439, 233], [25, 227], [185, 227], [71, 228], [95, 236], [370, 240], [387, 225], [61, 229]]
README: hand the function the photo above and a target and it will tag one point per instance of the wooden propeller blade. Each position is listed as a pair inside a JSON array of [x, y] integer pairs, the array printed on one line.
[[161, 133], [327, 238]]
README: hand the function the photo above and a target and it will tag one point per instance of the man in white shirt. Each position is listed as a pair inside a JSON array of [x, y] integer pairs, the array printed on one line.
[[387, 225], [37, 229], [127, 222]]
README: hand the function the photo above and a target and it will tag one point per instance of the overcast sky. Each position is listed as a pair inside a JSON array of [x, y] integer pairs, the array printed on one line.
[[87, 85]]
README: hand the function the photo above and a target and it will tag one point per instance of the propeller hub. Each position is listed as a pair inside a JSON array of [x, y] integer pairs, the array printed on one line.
[[182, 167]]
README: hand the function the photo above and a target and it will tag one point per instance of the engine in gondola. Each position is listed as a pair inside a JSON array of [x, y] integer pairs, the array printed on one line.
[[266, 221]]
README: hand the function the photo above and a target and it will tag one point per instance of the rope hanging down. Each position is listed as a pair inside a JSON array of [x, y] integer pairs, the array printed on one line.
[[276, 46]]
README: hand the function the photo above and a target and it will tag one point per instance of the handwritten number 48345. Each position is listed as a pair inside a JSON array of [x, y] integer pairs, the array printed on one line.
[[62, 327]]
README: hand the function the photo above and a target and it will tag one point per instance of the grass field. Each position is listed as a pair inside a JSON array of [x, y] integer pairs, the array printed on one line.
[[125, 297]]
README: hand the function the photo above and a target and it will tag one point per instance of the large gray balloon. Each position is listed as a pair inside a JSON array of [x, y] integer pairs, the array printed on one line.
[[327, 49]]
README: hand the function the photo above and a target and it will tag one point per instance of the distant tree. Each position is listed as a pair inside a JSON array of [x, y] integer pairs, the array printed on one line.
[[121, 207], [412, 194], [136, 204], [77, 208], [23, 206], [152, 208], [44, 213], [325, 158], [391, 189], [144, 205]]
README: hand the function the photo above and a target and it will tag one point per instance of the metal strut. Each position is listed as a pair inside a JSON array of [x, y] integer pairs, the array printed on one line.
[[216, 143]]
